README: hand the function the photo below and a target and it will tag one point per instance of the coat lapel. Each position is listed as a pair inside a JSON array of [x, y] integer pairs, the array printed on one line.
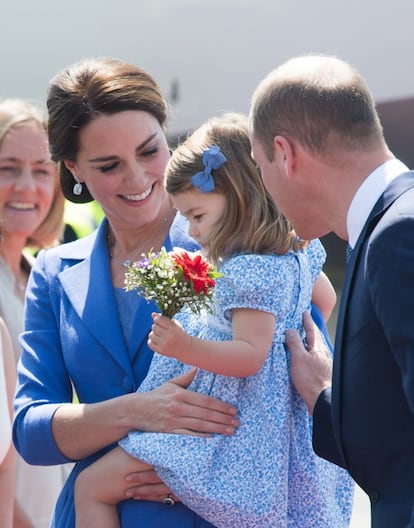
[[397, 187], [88, 286], [87, 283]]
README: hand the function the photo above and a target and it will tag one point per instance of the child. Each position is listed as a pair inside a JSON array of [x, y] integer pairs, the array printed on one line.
[[266, 474]]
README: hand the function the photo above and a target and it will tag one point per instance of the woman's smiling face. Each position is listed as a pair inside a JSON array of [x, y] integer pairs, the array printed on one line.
[[27, 179], [122, 159]]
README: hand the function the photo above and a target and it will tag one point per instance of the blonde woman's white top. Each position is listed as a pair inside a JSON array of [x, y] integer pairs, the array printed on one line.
[[5, 423]]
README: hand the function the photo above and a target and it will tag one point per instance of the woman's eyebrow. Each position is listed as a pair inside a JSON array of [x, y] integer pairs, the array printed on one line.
[[139, 147]]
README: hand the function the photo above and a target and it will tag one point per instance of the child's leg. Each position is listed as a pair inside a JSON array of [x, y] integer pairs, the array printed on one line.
[[101, 486]]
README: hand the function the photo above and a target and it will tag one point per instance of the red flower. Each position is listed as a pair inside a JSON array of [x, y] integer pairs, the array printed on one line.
[[196, 270]]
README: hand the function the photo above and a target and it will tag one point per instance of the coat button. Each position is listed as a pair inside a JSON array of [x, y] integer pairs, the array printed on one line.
[[374, 496]]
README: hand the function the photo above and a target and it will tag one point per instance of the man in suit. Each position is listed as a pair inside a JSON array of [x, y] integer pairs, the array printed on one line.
[[318, 141]]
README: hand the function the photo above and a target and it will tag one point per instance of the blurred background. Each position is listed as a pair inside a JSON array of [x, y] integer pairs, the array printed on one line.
[[209, 56]]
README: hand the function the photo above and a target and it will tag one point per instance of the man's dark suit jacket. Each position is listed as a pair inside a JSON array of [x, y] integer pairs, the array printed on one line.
[[366, 423]]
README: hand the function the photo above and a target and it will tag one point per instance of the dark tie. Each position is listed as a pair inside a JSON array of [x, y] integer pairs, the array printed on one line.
[[348, 253]]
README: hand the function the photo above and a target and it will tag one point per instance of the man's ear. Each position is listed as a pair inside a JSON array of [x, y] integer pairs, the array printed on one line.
[[285, 152]]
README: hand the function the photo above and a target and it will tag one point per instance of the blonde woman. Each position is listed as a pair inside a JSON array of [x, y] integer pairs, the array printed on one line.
[[31, 212]]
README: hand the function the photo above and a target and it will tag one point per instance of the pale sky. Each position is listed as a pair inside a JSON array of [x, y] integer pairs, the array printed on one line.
[[218, 50]]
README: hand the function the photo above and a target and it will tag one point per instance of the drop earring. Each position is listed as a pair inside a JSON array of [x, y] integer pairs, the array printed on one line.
[[77, 189]]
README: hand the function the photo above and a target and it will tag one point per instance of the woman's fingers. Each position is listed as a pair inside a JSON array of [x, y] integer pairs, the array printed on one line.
[[146, 485], [204, 407], [174, 409]]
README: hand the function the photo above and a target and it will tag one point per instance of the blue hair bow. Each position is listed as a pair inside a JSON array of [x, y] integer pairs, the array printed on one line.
[[212, 158]]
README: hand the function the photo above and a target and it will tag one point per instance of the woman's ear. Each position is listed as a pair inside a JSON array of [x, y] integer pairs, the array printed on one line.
[[71, 166]]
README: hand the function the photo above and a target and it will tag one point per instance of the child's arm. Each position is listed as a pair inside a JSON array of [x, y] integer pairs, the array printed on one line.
[[243, 356], [324, 295]]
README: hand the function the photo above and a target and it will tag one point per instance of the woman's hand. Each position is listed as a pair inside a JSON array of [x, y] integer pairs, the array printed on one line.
[[114, 477], [311, 368], [172, 409], [146, 484], [83, 429]]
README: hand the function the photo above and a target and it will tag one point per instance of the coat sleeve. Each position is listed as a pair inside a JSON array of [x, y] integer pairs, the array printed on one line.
[[43, 383], [323, 440]]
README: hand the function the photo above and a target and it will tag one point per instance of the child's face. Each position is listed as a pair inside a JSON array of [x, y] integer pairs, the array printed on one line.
[[203, 211]]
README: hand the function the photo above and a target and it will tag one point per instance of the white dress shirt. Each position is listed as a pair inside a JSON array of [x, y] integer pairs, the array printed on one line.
[[367, 195]]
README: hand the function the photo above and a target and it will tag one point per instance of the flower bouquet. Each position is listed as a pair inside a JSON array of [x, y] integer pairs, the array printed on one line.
[[173, 279]]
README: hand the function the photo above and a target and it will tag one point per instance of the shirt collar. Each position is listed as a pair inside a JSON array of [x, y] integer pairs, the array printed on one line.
[[367, 195]]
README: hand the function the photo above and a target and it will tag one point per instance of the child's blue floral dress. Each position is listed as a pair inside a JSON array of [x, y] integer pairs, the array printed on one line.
[[266, 475]]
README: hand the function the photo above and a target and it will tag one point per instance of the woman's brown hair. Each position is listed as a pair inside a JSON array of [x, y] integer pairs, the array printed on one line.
[[81, 92]]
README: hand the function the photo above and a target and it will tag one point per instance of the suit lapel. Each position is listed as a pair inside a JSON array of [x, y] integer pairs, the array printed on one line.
[[397, 187]]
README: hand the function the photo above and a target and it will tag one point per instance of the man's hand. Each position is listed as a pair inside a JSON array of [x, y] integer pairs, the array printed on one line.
[[311, 367]]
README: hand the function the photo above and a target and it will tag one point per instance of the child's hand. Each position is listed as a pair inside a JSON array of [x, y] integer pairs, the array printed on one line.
[[168, 338]]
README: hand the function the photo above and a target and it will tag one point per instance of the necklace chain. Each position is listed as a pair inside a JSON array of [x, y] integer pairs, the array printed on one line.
[[111, 243]]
